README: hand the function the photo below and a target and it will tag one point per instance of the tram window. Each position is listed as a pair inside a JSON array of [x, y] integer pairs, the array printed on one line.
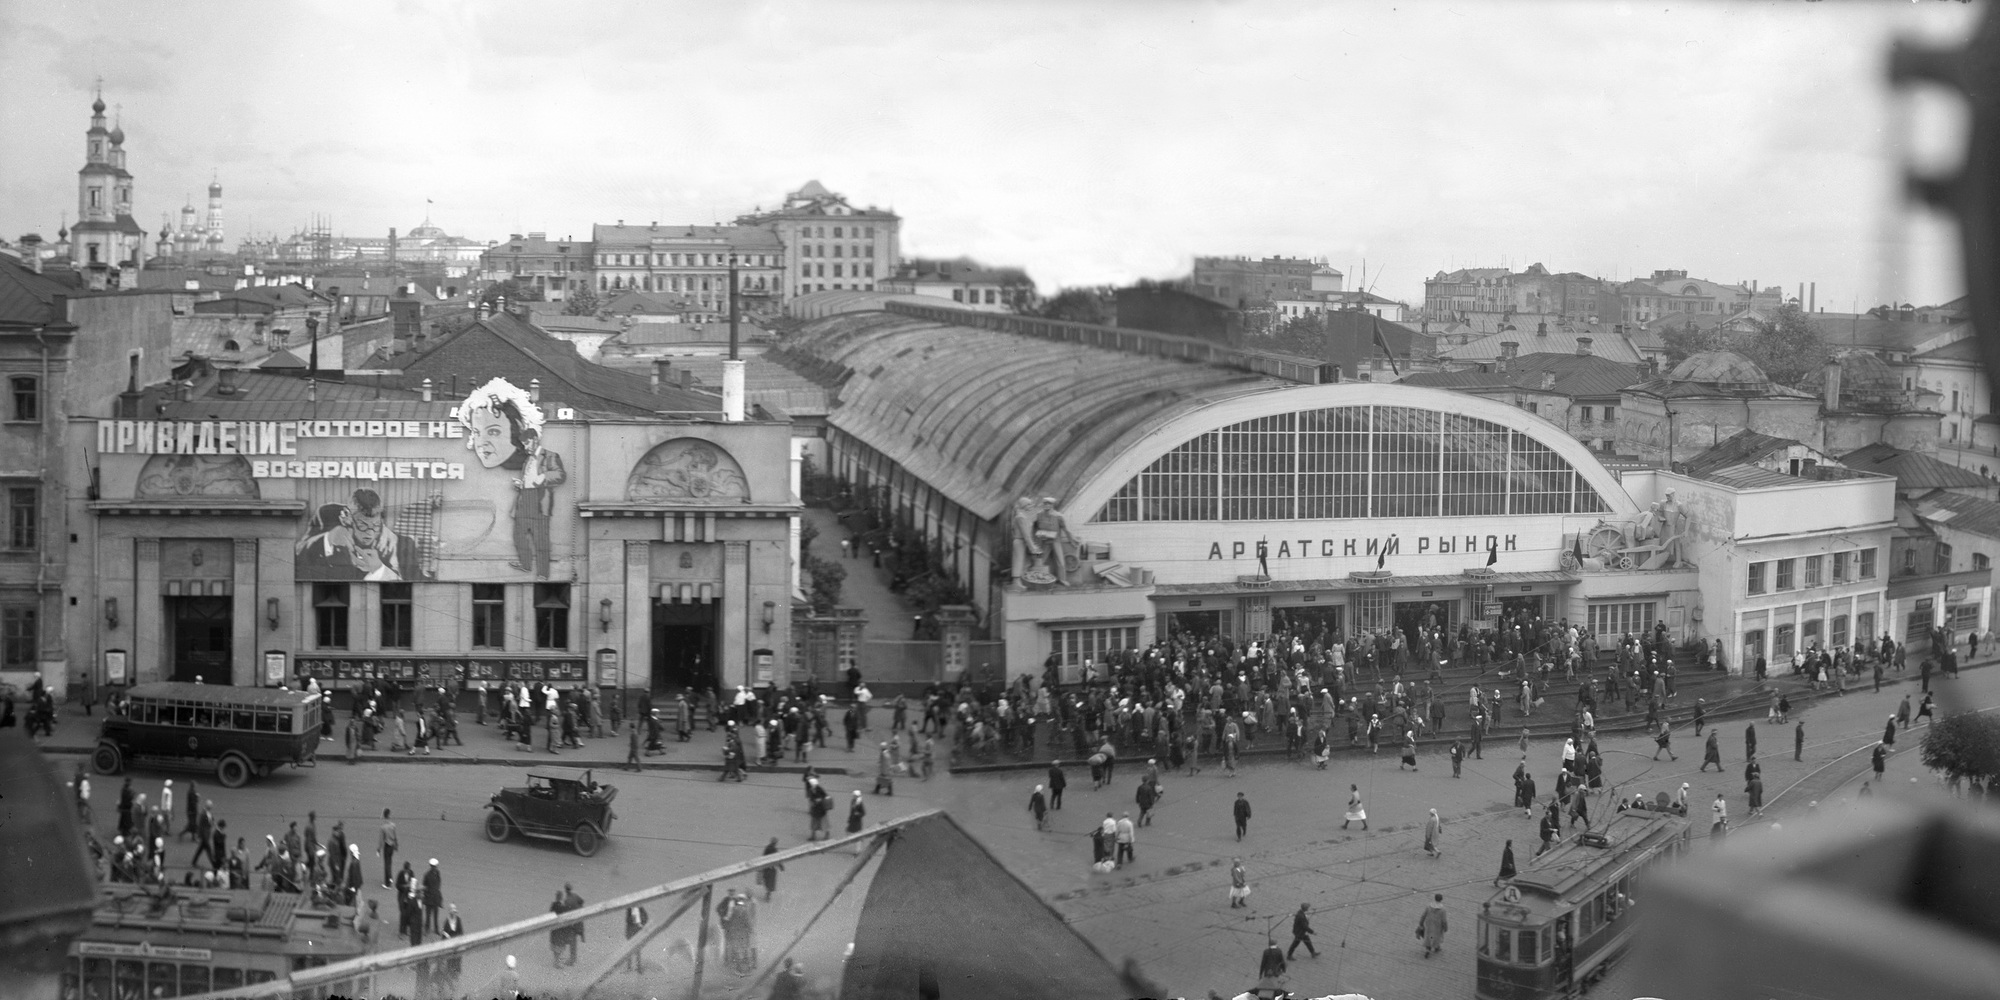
[[227, 979], [267, 722], [1526, 939], [162, 980], [1503, 944], [97, 979], [1548, 938], [194, 980], [285, 721], [252, 977], [242, 720], [1583, 924], [131, 979]]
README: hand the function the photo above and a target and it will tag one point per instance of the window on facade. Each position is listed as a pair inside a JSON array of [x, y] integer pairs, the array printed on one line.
[[958, 295], [95, 199], [489, 615], [1837, 633], [836, 232], [1815, 570], [19, 637], [396, 615], [1072, 646], [1867, 564], [27, 397], [1910, 560], [1756, 578], [836, 270], [552, 616], [1943, 559], [1981, 561], [1961, 617], [24, 517], [1371, 610], [1786, 573], [1843, 563], [1620, 619], [1583, 413], [330, 615], [1781, 641]]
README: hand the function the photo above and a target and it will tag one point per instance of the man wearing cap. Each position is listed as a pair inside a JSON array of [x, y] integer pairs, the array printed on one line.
[[433, 896]]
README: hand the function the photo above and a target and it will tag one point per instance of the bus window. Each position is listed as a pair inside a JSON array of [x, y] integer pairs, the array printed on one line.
[[1503, 944], [1548, 939], [131, 979], [285, 721], [162, 980], [312, 717], [204, 717], [183, 714], [241, 721], [194, 980], [252, 977], [1526, 940], [267, 721], [227, 979]]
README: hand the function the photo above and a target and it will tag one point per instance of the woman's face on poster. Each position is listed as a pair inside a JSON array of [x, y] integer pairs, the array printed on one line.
[[490, 438]]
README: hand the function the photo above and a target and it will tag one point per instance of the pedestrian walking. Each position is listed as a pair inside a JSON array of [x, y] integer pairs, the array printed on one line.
[[1127, 840], [857, 810], [1057, 782], [636, 919], [433, 897], [1880, 760], [1799, 741], [1432, 926], [1664, 741], [1271, 965], [1750, 741], [1711, 753], [1239, 884], [1754, 789], [1718, 818], [1434, 836], [768, 874], [1409, 751], [1506, 864], [1457, 756], [885, 779], [1903, 713], [1889, 732], [385, 848], [1356, 813], [1147, 797], [1241, 809], [1039, 808], [1302, 932]]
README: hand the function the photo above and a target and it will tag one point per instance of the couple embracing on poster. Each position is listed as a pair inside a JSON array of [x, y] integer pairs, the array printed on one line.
[[504, 431]]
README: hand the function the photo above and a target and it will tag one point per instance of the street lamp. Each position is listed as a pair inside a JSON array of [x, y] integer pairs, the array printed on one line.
[[604, 614]]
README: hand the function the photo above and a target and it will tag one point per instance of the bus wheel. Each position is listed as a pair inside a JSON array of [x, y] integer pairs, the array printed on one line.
[[233, 771], [107, 759], [585, 840], [497, 827]]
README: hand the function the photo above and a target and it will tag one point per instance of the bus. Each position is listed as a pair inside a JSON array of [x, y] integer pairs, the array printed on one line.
[[1557, 926], [242, 732], [176, 941]]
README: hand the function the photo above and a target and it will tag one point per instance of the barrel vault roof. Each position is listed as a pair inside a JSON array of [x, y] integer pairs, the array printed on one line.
[[986, 417]]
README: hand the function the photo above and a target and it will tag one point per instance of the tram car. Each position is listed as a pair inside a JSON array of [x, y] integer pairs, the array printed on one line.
[[1556, 927], [178, 941]]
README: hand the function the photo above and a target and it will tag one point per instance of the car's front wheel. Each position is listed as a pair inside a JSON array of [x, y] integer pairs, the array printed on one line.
[[497, 827], [586, 839]]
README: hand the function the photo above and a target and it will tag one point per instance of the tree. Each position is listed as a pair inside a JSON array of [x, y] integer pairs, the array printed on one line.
[[1689, 339], [1965, 745], [1079, 305], [582, 302], [1788, 346]]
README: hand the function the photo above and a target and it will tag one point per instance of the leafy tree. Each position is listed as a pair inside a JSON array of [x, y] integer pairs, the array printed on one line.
[[1964, 745], [1079, 305], [1687, 340], [1788, 346], [582, 302]]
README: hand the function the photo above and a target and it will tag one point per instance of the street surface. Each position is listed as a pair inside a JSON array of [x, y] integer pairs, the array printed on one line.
[[1168, 910]]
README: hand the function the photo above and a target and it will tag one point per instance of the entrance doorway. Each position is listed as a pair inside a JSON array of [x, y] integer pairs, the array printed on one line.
[[1528, 607], [198, 634], [684, 648], [1196, 626], [1308, 620], [1412, 616]]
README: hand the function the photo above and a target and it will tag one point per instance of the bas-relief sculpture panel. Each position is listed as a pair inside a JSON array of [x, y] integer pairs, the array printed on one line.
[[688, 471]]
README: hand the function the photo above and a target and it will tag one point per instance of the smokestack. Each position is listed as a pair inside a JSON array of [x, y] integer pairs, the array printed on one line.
[[1583, 345], [734, 355], [1812, 302]]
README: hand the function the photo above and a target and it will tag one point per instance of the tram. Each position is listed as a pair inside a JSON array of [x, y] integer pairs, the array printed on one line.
[[176, 941], [1557, 926]]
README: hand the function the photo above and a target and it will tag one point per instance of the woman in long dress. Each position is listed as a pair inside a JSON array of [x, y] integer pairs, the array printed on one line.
[[1433, 832], [1355, 812]]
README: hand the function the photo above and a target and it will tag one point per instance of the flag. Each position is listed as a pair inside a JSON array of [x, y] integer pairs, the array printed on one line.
[[1375, 323], [1576, 548], [1493, 554], [1382, 558]]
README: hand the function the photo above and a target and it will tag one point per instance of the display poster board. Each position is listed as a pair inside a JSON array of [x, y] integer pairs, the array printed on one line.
[[114, 666], [274, 666]]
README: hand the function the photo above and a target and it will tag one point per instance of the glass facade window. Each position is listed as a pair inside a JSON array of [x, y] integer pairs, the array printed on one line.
[[1354, 462], [1781, 641], [1372, 611], [1072, 646], [19, 638], [1961, 617], [330, 615], [552, 616], [489, 615], [396, 617], [1632, 618]]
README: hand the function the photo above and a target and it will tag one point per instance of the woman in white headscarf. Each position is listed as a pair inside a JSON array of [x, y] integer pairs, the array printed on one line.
[[1433, 836]]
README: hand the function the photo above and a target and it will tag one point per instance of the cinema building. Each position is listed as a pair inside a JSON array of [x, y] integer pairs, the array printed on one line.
[[280, 528], [1201, 491]]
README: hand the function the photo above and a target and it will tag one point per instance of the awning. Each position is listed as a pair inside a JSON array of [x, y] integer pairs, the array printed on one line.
[[1495, 580]]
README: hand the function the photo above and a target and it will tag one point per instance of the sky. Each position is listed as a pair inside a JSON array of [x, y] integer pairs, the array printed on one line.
[[1089, 142]]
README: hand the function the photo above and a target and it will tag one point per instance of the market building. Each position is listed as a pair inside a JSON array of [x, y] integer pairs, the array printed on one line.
[[259, 526], [1098, 488]]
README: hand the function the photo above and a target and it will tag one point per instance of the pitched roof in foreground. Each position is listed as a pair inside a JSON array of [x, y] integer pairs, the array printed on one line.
[[1913, 471], [944, 918]]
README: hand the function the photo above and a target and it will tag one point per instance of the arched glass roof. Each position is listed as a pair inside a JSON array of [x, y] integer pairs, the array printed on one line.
[[1353, 462]]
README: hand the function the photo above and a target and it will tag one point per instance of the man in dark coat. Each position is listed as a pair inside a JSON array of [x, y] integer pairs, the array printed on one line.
[[1506, 863], [433, 896], [1302, 930], [1712, 752], [1750, 740], [1242, 811], [1799, 741], [1057, 781]]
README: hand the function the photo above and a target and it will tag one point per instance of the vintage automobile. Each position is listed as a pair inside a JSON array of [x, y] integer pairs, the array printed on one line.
[[555, 805]]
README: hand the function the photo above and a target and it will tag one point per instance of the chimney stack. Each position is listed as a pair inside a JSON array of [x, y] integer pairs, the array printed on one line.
[[687, 378], [1812, 300], [1548, 380], [426, 388], [1509, 350], [1583, 346], [534, 390], [1832, 386], [225, 382], [662, 373], [1542, 329]]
